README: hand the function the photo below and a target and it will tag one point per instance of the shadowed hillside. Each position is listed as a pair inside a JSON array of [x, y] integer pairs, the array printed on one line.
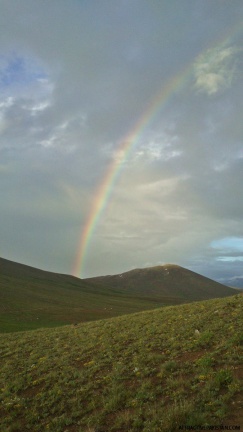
[[31, 298], [168, 281]]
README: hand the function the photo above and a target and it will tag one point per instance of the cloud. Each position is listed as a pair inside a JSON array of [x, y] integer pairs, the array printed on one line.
[[229, 244], [229, 249], [26, 97], [162, 147], [75, 79], [216, 69]]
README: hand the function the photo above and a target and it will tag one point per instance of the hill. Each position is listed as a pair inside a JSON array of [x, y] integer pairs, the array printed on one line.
[[160, 370], [31, 298], [171, 282]]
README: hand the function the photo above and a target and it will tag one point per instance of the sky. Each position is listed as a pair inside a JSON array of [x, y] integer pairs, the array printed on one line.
[[121, 135]]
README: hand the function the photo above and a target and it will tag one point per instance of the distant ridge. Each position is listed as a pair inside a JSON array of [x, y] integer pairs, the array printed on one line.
[[169, 280], [12, 268], [31, 298]]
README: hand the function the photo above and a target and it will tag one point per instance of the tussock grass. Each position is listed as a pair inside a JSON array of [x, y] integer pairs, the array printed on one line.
[[143, 372]]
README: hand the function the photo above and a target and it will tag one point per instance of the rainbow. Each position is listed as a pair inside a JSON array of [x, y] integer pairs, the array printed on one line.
[[126, 146]]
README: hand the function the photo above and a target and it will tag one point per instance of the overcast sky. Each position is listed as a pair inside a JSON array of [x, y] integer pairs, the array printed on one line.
[[76, 78]]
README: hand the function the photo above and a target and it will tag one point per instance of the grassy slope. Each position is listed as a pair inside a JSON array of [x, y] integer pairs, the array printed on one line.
[[170, 281], [31, 298], [145, 372]]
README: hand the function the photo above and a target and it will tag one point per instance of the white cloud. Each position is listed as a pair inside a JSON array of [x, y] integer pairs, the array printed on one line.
[[162, 187], [228, 244], [233, 278], [229, 258], [215, 69], [151, 148], [41, 106], [65, 136]]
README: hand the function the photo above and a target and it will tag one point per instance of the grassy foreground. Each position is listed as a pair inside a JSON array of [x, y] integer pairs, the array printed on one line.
[[151, 371]]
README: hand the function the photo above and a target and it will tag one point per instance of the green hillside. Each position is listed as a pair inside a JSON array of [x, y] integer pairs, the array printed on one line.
[[151, 371], [31, 298], [170, 281]]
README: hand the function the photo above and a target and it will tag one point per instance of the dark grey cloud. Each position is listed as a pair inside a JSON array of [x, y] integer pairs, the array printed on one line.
[[75, 78]]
